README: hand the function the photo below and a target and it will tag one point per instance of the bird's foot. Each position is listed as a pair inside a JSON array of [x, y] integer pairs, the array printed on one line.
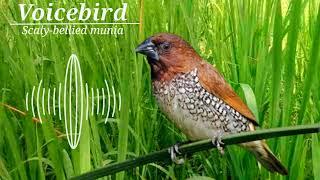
[[173, 151], [216, 140]]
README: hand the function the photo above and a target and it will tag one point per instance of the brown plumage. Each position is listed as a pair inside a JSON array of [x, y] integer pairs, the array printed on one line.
[[195, 96]]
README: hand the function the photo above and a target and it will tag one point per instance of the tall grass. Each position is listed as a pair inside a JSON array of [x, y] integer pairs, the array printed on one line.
[[267, 50]]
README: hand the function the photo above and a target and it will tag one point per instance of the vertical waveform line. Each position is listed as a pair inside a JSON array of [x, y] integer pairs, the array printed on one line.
[[98, 98], [70, 101], [49, 91], [108, 92], [114, 102], [27, 98], [54, 101], [87, 102], [81, 102], [103, 101], [43, 94], [76, 110], [92, 101], [38, 96], [59, 101], [119, 101], [65, 102], [32, 98]]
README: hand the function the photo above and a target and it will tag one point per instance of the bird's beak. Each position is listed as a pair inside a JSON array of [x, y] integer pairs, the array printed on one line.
[[148, 48]]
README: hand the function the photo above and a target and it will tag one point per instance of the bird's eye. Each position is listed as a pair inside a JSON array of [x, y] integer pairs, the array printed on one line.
[[165, 45]]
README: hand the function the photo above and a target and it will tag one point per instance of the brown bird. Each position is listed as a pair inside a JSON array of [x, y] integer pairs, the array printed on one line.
[[197, 99]]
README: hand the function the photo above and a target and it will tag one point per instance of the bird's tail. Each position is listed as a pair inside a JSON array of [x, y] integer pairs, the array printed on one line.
[[264, 155]]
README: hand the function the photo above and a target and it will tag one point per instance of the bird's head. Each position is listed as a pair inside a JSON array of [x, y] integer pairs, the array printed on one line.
[[168, 54]]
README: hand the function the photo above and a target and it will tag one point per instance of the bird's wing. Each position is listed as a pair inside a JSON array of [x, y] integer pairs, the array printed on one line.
[[214, 83]]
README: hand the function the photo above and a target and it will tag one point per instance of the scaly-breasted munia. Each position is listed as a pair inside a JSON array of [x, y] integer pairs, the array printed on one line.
[[197, 99]]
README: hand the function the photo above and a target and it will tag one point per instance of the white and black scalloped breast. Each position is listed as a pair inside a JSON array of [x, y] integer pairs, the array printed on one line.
[[198, 113]]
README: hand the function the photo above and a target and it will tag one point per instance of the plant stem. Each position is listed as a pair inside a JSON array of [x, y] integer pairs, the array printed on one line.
[[163, 155]]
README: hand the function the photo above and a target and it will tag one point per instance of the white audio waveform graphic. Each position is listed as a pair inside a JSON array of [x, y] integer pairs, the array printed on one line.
[[70, 101]]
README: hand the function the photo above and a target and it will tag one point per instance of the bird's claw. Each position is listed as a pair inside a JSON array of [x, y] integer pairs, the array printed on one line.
[[173, 151], [217, 141]]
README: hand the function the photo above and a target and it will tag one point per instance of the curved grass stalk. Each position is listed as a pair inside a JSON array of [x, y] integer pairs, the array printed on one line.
[[163, 155]]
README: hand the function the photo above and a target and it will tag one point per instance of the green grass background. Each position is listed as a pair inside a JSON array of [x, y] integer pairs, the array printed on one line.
[[268, 50]]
